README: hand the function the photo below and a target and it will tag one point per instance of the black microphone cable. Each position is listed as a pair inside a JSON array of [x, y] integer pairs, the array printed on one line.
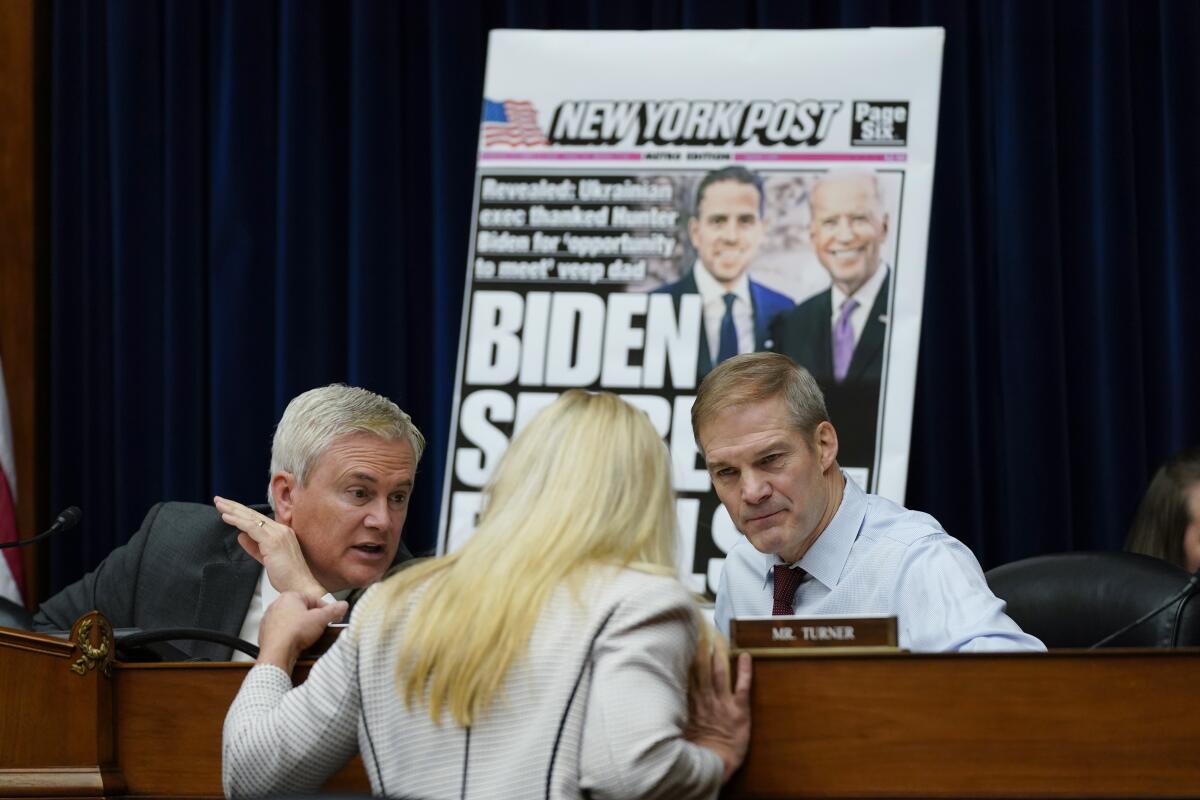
[[1187, 588], [141, 638]]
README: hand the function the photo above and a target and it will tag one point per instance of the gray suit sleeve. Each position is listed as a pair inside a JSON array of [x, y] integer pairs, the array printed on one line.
[[109, 588]]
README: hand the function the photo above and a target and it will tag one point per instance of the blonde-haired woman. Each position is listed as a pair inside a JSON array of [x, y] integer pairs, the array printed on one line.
[[548, 657]]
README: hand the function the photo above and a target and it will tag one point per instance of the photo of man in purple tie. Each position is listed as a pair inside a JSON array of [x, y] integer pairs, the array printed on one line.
[[838, 335]]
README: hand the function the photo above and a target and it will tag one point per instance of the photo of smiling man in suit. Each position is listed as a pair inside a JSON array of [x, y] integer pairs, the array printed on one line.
[[838, 335], [726, 229]]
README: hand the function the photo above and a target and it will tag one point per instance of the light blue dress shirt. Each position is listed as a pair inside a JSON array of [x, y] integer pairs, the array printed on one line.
[[876, 557]]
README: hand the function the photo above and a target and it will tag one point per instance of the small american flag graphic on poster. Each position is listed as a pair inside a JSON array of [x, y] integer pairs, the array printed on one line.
[[511, 122]]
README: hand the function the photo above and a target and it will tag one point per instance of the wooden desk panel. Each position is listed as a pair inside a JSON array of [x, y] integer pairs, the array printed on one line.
[[169, 719], [168, 729], [56, 733], [1068, 724], [35, 716]]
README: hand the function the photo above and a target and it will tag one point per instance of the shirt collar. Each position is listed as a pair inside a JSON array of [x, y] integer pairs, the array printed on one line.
[[269, 593], [266, 590], [708, 286], [865, 294], [826, 559]]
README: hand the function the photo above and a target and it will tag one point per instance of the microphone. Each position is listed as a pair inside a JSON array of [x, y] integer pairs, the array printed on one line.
[[68, 519], [1187, 588]]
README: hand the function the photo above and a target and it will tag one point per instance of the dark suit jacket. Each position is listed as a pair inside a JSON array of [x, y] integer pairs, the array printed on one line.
[[765, 305], [182, 569], [804, 334]]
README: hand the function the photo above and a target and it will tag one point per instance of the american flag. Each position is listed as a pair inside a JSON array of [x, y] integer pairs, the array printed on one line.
[[10, 559], [511, 122]]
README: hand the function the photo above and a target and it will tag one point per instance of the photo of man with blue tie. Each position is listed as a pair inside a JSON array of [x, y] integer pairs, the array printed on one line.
[[726, 229], [838, 335]]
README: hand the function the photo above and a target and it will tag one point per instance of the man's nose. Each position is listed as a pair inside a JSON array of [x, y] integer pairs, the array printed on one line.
[[377, 514], [755, 488], [844, 229]]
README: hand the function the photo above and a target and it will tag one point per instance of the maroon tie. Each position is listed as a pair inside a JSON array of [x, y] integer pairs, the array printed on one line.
[[786, 581]]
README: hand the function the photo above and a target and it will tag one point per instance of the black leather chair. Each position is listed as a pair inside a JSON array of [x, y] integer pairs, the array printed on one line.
[[15, 616], [1077, 599]]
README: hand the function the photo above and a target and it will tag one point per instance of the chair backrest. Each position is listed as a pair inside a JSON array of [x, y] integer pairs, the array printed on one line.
[[1076, 599], [15, 616]]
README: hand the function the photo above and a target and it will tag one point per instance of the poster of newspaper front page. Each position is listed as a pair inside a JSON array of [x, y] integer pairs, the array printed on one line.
[[628, 181]]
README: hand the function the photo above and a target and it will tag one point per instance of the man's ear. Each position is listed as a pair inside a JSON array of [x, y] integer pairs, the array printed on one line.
[[283, 490], [825, 438], [694, 231]]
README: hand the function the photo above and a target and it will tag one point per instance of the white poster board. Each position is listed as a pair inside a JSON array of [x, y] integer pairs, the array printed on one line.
[[593, 224]]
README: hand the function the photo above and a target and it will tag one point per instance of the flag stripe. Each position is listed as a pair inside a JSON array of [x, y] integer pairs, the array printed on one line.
[[10, 566], [11, 577]]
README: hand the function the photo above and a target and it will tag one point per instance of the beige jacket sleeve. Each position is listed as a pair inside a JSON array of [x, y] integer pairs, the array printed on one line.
[[633, 743]]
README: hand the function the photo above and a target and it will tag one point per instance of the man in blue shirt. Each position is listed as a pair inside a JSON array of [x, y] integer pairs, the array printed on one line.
[[816, 543]]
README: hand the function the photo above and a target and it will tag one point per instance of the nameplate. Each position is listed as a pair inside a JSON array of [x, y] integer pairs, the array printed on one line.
[[791, 633]]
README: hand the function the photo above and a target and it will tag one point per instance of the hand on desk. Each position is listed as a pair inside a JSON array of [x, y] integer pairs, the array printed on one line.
[[274, 545], [719, 716]]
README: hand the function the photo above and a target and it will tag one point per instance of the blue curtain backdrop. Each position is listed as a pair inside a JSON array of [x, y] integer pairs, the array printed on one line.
[[249, 199]]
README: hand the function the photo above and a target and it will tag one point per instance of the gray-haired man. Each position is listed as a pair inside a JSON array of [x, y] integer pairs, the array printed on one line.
[[817, 544], [343, 462]]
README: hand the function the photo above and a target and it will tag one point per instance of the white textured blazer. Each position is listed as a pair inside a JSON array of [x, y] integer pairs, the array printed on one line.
[[596, 708]]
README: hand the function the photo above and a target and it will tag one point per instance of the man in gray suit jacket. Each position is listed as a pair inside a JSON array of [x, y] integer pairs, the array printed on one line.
[[342, 466]]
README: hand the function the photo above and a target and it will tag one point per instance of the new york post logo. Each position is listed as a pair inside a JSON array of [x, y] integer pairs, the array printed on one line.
[[694, 123], [879, 123]]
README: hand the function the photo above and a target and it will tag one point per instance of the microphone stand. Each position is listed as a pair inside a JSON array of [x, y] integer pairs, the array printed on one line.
[[65, 521]]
